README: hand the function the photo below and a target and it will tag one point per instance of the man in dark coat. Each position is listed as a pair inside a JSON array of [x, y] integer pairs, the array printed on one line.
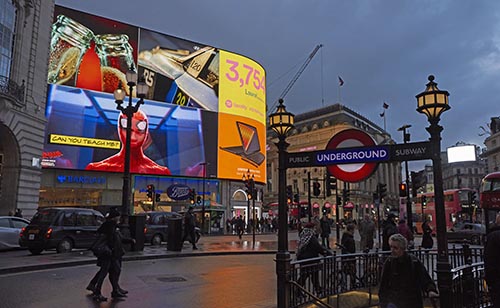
[[189, 227], [110, 263], [240, 226], [404, 278], [491, 263], [388, 228], [427, 241], [347, 241], [325, 231]]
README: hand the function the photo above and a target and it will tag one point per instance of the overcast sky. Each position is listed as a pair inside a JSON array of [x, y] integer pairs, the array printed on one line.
[[384, 51]]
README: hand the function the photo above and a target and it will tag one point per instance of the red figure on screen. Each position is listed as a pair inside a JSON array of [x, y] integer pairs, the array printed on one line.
[[139, 162]]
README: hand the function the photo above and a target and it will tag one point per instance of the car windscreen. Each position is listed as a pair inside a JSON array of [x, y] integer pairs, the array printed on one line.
[[44, 217]]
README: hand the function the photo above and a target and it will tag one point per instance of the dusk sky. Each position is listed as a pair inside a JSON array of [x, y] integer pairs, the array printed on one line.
[[383, 50]]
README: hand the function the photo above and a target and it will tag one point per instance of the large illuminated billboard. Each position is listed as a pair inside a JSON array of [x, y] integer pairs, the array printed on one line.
[[204, 104]]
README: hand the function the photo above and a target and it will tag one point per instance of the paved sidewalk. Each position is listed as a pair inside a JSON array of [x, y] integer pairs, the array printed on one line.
[[23, 261]]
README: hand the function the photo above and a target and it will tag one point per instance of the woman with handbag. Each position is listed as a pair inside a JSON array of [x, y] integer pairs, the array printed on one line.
[[109, 251]]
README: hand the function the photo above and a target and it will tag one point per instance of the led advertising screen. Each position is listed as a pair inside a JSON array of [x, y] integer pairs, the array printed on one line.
[[461, 153], [201, 101]]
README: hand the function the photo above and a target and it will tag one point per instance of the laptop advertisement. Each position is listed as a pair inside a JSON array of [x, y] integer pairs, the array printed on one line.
[[241, 147]]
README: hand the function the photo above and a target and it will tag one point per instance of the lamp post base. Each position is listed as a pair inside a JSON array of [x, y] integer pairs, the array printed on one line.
[[444, 279], [282, 271]]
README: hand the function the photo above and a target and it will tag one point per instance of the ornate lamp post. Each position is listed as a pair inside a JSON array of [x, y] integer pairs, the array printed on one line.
[[433, 102], [128, 111], [282, 122], [249, 181], [409, 214]]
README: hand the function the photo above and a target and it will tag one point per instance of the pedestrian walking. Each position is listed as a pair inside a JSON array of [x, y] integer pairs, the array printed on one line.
[[308, 247], [19, 213], [240, 226], [427, 241], [491, 264], [109, 259], [366, 228], [189, 227], [406, 232], [325, 231], [347, 240], [388, 228], [404, 278]]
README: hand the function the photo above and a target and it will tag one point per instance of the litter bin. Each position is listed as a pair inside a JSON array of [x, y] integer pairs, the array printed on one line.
[[137, 223], [174, 234]]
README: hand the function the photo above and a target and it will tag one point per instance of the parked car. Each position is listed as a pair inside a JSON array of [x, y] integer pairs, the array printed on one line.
[[10, 227], [62, 229], [156, 229], [466, 231]]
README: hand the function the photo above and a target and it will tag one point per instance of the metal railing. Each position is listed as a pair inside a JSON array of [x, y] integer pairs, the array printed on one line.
[[329, 278]]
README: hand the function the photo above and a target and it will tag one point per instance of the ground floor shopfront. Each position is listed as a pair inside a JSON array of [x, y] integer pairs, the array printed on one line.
[[214, 200]]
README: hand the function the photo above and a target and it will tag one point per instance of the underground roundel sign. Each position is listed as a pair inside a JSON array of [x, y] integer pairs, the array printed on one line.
[[350, 138]]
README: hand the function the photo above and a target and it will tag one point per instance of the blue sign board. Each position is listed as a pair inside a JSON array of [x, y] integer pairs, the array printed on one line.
[[352, 155]]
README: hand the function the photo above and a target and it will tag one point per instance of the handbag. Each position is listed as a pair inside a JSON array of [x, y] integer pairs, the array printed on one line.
[[100, 247]]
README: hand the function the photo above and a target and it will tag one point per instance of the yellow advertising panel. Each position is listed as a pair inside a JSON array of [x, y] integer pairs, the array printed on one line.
[[84, 142], [242, 89], [241, 147]]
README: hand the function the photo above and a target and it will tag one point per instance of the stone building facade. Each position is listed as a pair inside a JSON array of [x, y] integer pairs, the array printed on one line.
[[23, 85], [312, 132]]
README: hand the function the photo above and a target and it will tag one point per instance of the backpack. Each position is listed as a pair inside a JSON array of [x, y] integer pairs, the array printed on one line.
[[100, 247]]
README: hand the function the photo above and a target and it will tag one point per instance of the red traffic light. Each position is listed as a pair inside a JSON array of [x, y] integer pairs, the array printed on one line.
[[403, 190]]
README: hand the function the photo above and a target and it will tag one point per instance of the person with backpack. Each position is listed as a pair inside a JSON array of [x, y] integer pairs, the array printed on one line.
[[109, 251]]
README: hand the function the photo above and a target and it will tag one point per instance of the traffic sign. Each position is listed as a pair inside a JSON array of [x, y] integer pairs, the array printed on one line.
[[353, 172], [411, 151]]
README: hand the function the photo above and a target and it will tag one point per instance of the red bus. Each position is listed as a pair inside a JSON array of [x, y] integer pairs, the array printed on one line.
[[489, 197], [458, 206]]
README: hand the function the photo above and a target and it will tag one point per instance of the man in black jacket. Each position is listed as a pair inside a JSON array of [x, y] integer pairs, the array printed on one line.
[[491, 264], [189, 227], [110, 263], [388, 228], [404, 278]]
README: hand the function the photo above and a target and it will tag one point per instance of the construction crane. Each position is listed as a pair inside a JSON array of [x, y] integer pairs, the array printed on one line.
[[297, 75]]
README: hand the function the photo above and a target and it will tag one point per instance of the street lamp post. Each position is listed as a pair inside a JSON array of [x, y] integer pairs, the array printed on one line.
[[409, 215], [281, 123], [128, 111], [249, 181], [433, 102], [204, 164]]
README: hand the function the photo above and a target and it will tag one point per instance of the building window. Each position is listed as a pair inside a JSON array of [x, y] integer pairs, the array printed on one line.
[[7, 22]]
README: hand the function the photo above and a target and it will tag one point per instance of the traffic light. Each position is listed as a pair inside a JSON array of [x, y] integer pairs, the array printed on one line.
[[192, 195], [346, 193], [150, 191], [316, 189], [339, 200], [198, 199], [158, 197], [303, 211], [289, 194], [424, 202], [402, 190], [296, 198], [331, 184], [472, 196], [382, 191]]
